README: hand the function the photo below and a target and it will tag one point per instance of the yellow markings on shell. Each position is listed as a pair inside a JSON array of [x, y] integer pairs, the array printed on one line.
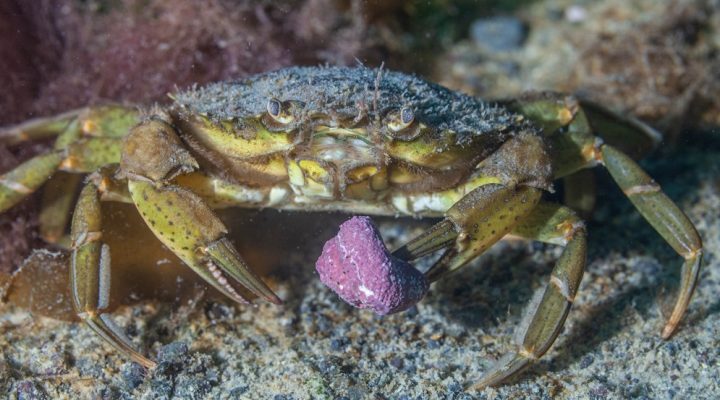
[[274, 166], [295, 176], [243, 140], [238, 193], [430, 153], [437, 202], [400, 175], [323, 130], [314, 171], [219, 193]]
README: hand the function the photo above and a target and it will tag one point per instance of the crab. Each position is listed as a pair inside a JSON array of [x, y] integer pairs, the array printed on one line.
[[357, 140]]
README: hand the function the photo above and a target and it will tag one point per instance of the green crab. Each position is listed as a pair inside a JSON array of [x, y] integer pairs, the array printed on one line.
[[357, 140]]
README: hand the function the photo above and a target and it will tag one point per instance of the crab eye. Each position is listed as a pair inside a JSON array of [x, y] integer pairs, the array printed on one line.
[[401, 120], [282, 112], [407, 115], [274, 107]]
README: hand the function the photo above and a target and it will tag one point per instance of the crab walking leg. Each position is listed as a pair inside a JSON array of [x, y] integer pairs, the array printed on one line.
[[37, 128], [472, 225], [666, 218], [57, 204], [188, 227], [86, 140], [22, 181], [559, 225], [90, 275], [576, 147]]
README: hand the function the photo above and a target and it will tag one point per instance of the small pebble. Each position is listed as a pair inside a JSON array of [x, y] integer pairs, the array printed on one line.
[[586, 361], [133, 375], [28, 390], [498, 34], [173, 352]]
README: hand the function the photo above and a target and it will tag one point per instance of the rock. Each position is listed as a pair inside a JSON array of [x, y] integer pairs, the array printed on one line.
[[357, 266]]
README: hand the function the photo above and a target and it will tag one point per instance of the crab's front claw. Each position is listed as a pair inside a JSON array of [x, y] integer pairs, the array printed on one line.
[[189, 228], [223, 253], [357, 266]]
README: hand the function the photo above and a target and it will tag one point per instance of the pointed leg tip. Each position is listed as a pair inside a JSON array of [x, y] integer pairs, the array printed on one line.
[[273, 298], [668, 331], [476, 386], [146, 363]]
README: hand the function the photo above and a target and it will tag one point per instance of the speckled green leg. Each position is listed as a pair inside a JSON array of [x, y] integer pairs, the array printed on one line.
[[22, 181], [558, 225], [86, 140], [153, 157], [667, 219], [473, 224], [90, 275], [189, 228]]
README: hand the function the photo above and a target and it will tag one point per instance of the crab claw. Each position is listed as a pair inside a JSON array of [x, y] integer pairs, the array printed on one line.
[[224, 254], [189, 228], [357, 266]]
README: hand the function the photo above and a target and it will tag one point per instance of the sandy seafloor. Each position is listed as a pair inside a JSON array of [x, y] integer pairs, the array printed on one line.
[[317, 347]]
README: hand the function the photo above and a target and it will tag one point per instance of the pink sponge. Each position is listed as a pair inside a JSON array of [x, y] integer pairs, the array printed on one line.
[[357, 266]]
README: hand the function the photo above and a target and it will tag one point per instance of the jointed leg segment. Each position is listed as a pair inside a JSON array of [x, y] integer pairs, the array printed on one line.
[[91, 140], [667, 219], [90, 275], [558, 225], [482, 218], [570, 127]]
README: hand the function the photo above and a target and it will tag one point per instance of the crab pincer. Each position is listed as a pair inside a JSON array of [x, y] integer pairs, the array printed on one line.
[[357, 266]]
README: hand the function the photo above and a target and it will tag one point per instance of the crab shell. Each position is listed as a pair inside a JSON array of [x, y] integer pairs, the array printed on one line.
[[352, 139]]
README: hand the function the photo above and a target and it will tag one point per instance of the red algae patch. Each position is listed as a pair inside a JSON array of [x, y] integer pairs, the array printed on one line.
[[357, 266]]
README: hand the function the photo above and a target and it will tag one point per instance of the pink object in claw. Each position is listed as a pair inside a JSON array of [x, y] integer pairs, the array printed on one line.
[[357, 266]]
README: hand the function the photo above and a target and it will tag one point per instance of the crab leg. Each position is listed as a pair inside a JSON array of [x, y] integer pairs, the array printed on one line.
[[38, 128], [666, 218], [579, 192], [57, 203], [188, 227], [576, 147], [554, 224], [473, 224], [26, 178], [482, 218], [90, 275], [153, 157], [86, 140]]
